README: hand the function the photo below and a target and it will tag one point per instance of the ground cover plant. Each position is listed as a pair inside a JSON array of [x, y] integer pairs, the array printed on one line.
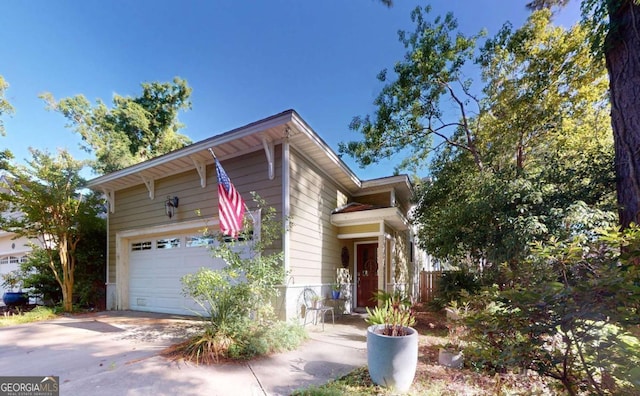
[[28, 315], [240, 322]]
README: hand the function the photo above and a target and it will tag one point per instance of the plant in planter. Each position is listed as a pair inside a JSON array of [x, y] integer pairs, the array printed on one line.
[[335, 291], [451, 354], [12, 280], [392, 344], [316, 301]]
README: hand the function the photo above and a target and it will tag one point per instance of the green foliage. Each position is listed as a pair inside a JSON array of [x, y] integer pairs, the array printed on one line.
[[408, 109], [40, 278], [12, 280], [546, 145], [5, 106], [517, 161], [456, 314], [43, 201], [451, 286], [544, 4], [89, 274], [567, 315], [278, 336], [37, 314], [207, 347], [133, 129], [396, 313], [221, 294], [243, 339], [237, 298]]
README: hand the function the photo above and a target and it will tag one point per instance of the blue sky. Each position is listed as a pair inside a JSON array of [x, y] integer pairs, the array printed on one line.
[[245, 60]]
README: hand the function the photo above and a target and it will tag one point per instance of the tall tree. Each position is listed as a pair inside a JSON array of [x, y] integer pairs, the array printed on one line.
[[430, 97], [44, 201], [512, 169], [619, 41], [5, 108], [134, 129]]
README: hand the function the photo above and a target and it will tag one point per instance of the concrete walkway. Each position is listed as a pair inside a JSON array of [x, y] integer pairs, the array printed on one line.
[[117, 353]]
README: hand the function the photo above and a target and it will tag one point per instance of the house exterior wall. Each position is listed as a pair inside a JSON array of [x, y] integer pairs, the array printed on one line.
[[198, 206], [314, 248], [11, 252]]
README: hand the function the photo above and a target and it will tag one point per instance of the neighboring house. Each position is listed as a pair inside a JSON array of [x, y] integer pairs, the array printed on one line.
[[338, 219], [13, 249], [13, 252]]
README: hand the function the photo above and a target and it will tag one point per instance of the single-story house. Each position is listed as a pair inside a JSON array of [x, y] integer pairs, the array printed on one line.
[[339, 221]]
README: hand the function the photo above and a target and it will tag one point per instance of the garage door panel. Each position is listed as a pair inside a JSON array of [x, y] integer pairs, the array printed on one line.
[[154, 277]]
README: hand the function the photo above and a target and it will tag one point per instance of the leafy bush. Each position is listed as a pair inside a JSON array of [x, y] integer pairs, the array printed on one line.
[[451, 286], [567, 315], [89, 274], [277, 336], [237, 298], [242, 342]]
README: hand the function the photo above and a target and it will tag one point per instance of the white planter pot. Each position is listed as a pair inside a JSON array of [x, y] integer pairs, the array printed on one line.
[[392, 361], [449, 358]]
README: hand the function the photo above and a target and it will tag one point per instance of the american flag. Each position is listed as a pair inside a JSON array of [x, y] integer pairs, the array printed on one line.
[[230, 204]]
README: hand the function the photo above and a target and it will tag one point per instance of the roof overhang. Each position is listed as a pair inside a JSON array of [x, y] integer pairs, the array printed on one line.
[[400, 184], [390, 216], [256, 136]]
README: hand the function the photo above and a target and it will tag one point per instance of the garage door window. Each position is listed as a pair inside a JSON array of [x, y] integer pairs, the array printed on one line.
[[146, 245], [168, 243], [200, 240]]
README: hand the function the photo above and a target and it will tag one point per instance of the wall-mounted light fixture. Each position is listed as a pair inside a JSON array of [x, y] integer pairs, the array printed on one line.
[[170, 206]]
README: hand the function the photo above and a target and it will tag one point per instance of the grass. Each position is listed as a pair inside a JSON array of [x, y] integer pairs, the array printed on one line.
[[433, 379], [35, 315]]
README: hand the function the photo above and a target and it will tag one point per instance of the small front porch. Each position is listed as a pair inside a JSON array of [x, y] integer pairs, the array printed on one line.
[[378, 243]]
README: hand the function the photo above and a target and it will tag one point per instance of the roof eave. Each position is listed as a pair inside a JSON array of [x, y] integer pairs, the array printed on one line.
[[278, 119]]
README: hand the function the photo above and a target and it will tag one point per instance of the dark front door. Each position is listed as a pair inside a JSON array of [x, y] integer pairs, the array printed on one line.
[[367, 274]]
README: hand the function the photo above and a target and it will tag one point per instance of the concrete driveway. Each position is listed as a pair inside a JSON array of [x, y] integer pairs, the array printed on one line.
[[117, 353]]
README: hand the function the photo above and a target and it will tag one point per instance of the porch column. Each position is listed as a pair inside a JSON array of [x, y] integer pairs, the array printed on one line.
[[382, 262]]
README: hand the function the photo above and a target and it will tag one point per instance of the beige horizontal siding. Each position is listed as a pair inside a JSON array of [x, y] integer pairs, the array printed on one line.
[[314, 247], [135, 210]]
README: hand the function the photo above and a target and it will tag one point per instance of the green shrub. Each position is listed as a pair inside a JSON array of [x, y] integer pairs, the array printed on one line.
[[451, 287], [567, 315], [237, 299], [273, 337]]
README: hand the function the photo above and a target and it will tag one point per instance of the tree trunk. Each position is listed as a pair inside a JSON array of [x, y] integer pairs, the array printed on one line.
[[622, 52], [67, 274], [67, 297]]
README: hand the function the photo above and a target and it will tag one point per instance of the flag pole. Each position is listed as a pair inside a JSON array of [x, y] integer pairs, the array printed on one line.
[[245, 202]]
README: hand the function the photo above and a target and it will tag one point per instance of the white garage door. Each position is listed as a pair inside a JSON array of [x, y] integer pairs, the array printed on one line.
[[156, 265]]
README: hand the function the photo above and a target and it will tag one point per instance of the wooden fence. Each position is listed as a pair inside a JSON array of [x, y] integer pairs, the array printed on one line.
[[429, 281]]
